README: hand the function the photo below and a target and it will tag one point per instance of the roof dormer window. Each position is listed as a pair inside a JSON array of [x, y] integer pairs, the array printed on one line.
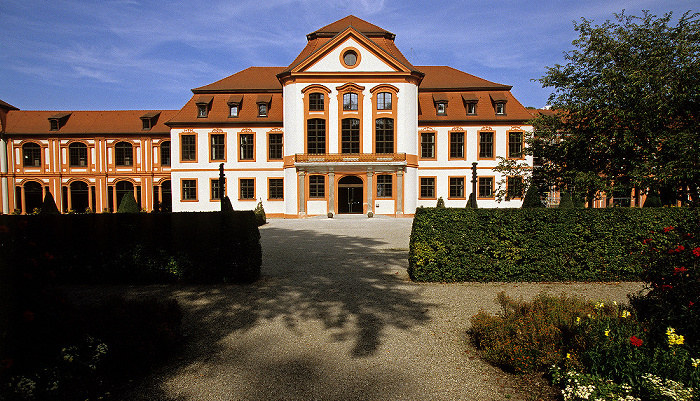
[[263, 105], [234, 104], [148, 120], [203, 106], [441, 108], [500, 108], [499, 103], [57, 121], [470, 100], [440, 100]]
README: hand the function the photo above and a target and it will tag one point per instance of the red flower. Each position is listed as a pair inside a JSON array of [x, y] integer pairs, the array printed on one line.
[[666, 287], [28, 316], [637, 342], [681, 269], [696, 252], [690, 304], [646, 241], [667, 229]]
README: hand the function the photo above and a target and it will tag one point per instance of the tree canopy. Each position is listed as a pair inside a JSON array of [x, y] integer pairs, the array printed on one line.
[[627, 108]]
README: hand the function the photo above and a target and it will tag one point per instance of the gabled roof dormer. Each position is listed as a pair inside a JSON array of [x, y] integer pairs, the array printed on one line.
[[204, 105], [58, 120], [149, 119]]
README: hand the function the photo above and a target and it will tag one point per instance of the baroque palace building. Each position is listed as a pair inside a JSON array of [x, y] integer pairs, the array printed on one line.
[[350, 126]]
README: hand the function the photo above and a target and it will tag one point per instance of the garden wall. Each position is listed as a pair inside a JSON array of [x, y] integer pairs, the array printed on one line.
[[151, 248], [535, 244]]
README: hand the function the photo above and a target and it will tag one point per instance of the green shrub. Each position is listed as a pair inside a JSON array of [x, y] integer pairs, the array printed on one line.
[[48, 206], [128, 204], [533, 244], [566, 201], [653, 200], [440, 203], [260, 217], [471, 202], [532, 198]]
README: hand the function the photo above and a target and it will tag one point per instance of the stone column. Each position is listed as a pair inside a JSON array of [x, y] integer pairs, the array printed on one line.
[[331, 192], [302, 199], [370, 201], [399, 192]]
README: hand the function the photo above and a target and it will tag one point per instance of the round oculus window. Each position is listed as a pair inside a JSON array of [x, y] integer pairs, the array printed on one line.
[[350, 57]]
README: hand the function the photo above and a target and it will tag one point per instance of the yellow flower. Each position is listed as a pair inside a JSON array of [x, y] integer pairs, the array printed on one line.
[[599, 305], [578, 319], [626, 313], [607, 333], [673, 338], [695, 361], [568, 355]]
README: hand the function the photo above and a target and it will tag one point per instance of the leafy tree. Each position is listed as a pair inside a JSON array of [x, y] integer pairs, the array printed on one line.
[[628, 107]]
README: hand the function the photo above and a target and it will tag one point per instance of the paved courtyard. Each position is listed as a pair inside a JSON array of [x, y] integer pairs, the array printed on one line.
[[335, 317]]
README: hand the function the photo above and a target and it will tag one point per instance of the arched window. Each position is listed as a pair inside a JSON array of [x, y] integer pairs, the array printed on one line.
[[79, 196], [350, 135], [123, 154], [165, 153], [316, 102], [31, 154], [33, 196], [350, 101], [122, 188], [77, 153], [316, 136], [384, 135]]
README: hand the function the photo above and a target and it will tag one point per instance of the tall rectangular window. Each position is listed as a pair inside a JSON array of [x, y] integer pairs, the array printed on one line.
[[31, 154], [471, 108], [275, 188], [350, 136], [384, 101], [456, 187], [123, 154], [350, 101], [384, 135], [218, 147], [247, 147], [274, 146], [233, 110], [262, 110], [188, 147], [514, 187], [427, 187], [189, 189], [216, 189], [165, 153], [316, 102], [427, 145], [247, 188], [316, 136], [77, 153], [456, 145], [485, 187], [317, 186], [384, 186], [486, 145], [515, 145]]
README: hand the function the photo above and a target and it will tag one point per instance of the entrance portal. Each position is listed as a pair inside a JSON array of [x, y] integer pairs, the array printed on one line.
[[350, 195]]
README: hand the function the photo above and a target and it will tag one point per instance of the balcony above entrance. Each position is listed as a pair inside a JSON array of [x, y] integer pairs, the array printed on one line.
[[302, 160]]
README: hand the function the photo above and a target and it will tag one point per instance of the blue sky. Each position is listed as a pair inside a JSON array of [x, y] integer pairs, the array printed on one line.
[[139, 54]]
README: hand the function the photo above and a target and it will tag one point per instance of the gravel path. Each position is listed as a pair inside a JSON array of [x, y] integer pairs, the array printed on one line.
[[335, 317]]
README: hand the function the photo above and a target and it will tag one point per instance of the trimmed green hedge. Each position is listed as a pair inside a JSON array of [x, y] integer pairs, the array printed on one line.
[[450, 245], [140, 247]]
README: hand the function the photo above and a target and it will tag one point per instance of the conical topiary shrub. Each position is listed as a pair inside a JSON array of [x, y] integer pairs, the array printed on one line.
[[566, 201], [48, 206], [226, 205], [471, 203], [532, 198], [128, 204], [653, 200], [440, 202], [260, 214]]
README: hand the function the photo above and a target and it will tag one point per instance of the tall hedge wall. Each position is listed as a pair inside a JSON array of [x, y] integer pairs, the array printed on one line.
[[534, 244], [152, 248]]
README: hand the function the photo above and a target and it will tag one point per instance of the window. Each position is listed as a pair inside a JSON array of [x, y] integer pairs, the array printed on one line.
[[77, 153], [441, 108], [317, 186], [471, 108], [274, 146], [262, 110], [123, 154], [233, 110], [515, 145], [31, 153], [514, 187], [384, 101], [316, 136], [383, 186], [316, 102], [188, 147], [486, 145], [350, 135], [350, 58], [54, 125], [216, 189], [189, 189], [202, 110], [456, 187], [384, 135], [427, 187], [485, 187], [146, 123], [350, 101], [427, 145], [218, 146], [275, 188], [500, 108], [247, 188], [456, 145], [165, 153], [247, 147]]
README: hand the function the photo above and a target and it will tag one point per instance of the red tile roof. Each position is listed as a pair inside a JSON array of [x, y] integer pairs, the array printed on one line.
[[21, 122], [7, 106], [252, 79], [457, 112], [447, 78], [219, 111], [341, 25]]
